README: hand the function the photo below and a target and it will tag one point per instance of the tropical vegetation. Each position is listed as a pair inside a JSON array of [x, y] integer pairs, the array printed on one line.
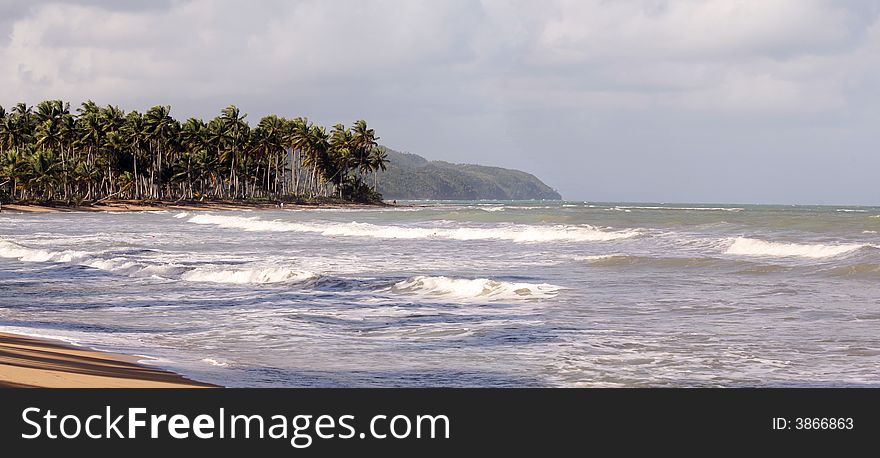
[[95, 153], [410, 176]]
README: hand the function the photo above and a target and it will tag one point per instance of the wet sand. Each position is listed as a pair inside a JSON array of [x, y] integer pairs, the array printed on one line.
[[27, 362]]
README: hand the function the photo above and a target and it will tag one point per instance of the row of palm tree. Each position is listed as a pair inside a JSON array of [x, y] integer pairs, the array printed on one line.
[[96, 153]]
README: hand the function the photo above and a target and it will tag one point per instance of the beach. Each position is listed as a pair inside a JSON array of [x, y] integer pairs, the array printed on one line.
[[467, 293], [27, 362], [116, 206]]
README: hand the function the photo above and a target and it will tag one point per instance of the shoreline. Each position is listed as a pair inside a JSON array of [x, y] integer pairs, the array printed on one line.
[[214, 205], [29, 362]]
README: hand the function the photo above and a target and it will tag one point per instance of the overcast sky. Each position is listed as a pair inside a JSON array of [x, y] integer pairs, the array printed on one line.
[[771, 101]]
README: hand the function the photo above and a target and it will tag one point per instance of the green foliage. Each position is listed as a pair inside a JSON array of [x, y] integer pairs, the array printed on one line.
[[410, 176], [49, 153]]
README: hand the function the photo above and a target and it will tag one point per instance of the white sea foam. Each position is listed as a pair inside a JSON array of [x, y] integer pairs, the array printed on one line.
[[172, 271], [743, 246], [12, 250], [215, 362], [597, 257], [516, 233], [181, 215], [851, 210], [248, 276], [726, 209], [480, 288]]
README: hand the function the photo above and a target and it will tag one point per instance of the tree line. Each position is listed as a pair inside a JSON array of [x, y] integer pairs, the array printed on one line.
[[48, 153]]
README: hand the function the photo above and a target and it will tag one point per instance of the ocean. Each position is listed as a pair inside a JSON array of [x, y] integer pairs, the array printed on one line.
[[481, 294]]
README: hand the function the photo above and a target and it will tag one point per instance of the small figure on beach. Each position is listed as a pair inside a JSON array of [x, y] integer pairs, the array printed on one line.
[[394, 202]]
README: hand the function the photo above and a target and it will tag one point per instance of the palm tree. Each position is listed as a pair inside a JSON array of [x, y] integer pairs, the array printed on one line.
[[135, 131], [160, 128], [237, 130], [378, 162], [317, 146], [269, 143], [41, 171], [101, 152], [91, 129], [194, 140], [341, 148], [12, 169], [364, 140], [296, 135]]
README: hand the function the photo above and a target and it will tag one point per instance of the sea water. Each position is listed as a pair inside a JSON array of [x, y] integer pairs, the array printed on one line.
[[461, 293]]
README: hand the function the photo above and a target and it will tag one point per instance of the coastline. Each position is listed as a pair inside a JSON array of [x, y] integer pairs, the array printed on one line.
[[28, 362], [214, 205]]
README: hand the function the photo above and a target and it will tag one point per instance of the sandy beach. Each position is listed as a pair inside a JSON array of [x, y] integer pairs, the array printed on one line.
[[27, 362], [139, 206]]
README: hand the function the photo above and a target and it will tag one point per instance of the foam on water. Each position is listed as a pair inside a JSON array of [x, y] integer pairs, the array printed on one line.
[[215, 362], [597, 257], [743, 246], [171, 271], [479, 288], [666, 308], [12, 250], [248, 276], [515, 233], [726, 209]]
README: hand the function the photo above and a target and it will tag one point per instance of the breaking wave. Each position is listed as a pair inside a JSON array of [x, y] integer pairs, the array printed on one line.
[[617, 260], [170, 271], [515, 233], [726, 209], [15, 251], [480, 288], [743, 246], [248, 276]]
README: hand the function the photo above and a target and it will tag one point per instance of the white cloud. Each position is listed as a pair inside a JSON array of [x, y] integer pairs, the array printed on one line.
[[424, 71]]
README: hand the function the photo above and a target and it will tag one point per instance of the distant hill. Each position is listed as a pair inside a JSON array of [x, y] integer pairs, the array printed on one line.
[[410, 176]]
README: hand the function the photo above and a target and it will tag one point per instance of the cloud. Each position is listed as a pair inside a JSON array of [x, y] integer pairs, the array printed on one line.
[[489, 80]]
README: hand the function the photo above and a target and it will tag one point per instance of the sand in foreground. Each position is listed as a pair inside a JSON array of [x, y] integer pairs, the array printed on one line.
[[29, 362]]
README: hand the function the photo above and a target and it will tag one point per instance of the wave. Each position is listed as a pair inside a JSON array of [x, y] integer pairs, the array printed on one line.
[[851, 210], [480, 288], [863, 270], [170, 271], [248, 276], [12, 250], [515, 233], [615, 260], [743, 246], [215, 362], [726, 209]]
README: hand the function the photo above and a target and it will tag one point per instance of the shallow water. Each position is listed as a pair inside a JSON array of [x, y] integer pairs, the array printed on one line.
[[462, 293]]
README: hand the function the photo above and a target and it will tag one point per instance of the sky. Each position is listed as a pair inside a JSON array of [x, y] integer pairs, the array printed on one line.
[[739, 101]]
